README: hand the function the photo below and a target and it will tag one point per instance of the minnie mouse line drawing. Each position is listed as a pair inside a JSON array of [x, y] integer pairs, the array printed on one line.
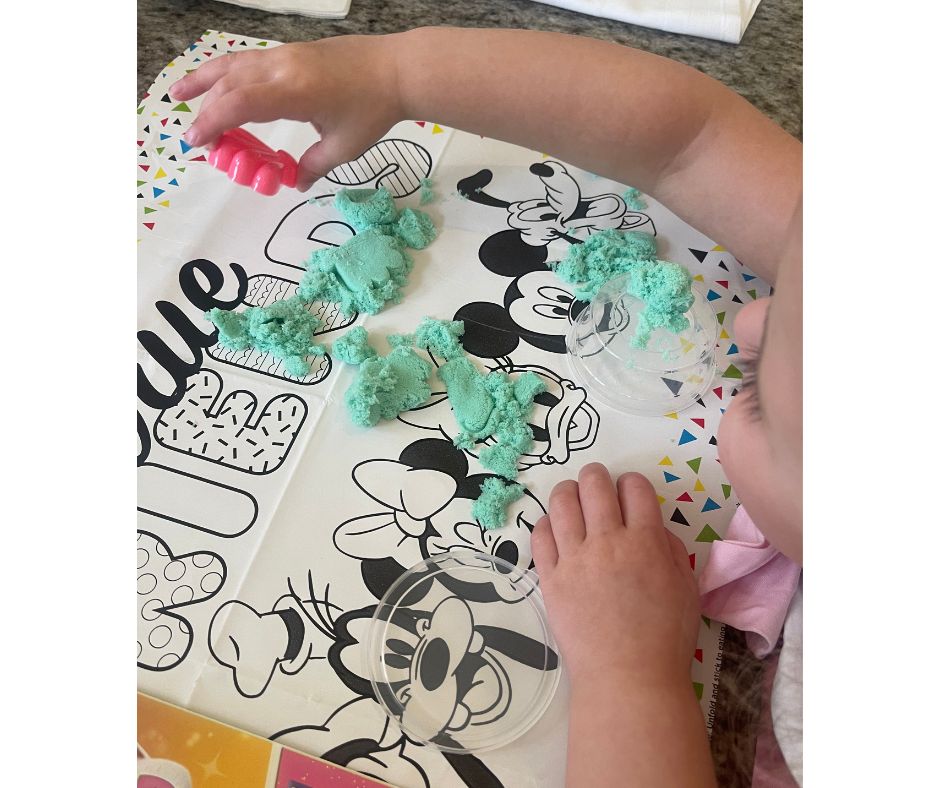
[[426, 497], [437, 654], [537, 308]]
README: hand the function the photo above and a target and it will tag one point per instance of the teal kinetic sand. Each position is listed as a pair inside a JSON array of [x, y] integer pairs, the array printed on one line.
[[284, 329], [664, 287], [414, 228], [365, 208], [427, 191], [602, 256], [634, 200], [361, 275], [666, 290], [353, 347], [491, 405], [387, 385], [375, 209], [485, 405], [495, 495], [441, 337], [370, 268]]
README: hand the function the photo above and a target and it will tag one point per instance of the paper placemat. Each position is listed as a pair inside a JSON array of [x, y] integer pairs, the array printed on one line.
[[262, 552]]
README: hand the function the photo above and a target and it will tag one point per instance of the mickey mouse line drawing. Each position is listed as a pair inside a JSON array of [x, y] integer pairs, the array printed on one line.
[[438, 657], [537, 307]]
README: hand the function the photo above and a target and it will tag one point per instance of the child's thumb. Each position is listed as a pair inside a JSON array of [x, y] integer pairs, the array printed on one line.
[[319, 159]]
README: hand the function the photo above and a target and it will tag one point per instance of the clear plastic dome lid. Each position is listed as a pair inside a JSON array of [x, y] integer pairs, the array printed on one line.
[[460, 654], [669, 374]]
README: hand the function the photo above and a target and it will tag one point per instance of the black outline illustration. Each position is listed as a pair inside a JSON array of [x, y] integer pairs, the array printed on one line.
[[267, 289], [152, 599], [397, 164], [295, 224], [216, 421], [562, 419], [178, 498], [201, 291], [471, 682], [535, 298], [216, 491], [426, 497]]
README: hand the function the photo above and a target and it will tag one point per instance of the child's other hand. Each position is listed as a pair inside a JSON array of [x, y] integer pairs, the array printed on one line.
[[618, 588], [345, 87]]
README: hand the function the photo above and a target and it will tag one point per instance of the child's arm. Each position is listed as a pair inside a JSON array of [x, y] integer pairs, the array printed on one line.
[[650, 122], [623, 606], [663, 127]]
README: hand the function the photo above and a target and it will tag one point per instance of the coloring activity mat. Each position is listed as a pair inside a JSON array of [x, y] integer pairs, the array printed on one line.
[[269, 526]]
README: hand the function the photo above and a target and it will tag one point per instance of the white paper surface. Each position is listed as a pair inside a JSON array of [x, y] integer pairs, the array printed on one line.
[[325, 9], [724, 20], [235, 546]]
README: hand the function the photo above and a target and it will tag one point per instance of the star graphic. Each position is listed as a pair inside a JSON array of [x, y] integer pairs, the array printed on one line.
[[211, 769]]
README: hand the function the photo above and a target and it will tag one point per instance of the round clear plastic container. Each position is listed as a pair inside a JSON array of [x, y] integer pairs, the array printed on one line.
[[666, 376], [459, 652]]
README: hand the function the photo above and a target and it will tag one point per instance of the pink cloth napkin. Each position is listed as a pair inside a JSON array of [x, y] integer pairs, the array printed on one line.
[[748, 584]]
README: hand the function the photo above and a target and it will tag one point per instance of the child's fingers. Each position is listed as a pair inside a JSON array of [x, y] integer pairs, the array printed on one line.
[[681, 558], [638, 503], [197, 82], [256, 103], [678, 552], [564, 510], [323, 156], [544, 549], [599, 502]]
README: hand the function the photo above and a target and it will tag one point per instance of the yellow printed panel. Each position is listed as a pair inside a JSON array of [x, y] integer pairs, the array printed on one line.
[[216, 755]]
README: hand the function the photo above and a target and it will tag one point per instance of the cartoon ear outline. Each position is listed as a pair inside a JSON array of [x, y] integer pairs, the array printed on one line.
[[379, 574], [437, 455], [506, 254], [489, 331]]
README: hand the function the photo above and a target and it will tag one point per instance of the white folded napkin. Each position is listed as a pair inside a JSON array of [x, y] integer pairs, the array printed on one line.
[[325, 9], [724, 20]]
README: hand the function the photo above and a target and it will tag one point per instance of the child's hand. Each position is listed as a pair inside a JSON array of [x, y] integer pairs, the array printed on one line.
[[624, 608], [345, 87], [619, 591]]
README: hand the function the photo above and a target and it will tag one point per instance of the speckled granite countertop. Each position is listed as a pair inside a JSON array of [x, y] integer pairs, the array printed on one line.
[[766, 68]]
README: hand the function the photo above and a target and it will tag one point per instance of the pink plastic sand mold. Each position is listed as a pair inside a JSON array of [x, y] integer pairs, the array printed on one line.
[[250, 162]]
